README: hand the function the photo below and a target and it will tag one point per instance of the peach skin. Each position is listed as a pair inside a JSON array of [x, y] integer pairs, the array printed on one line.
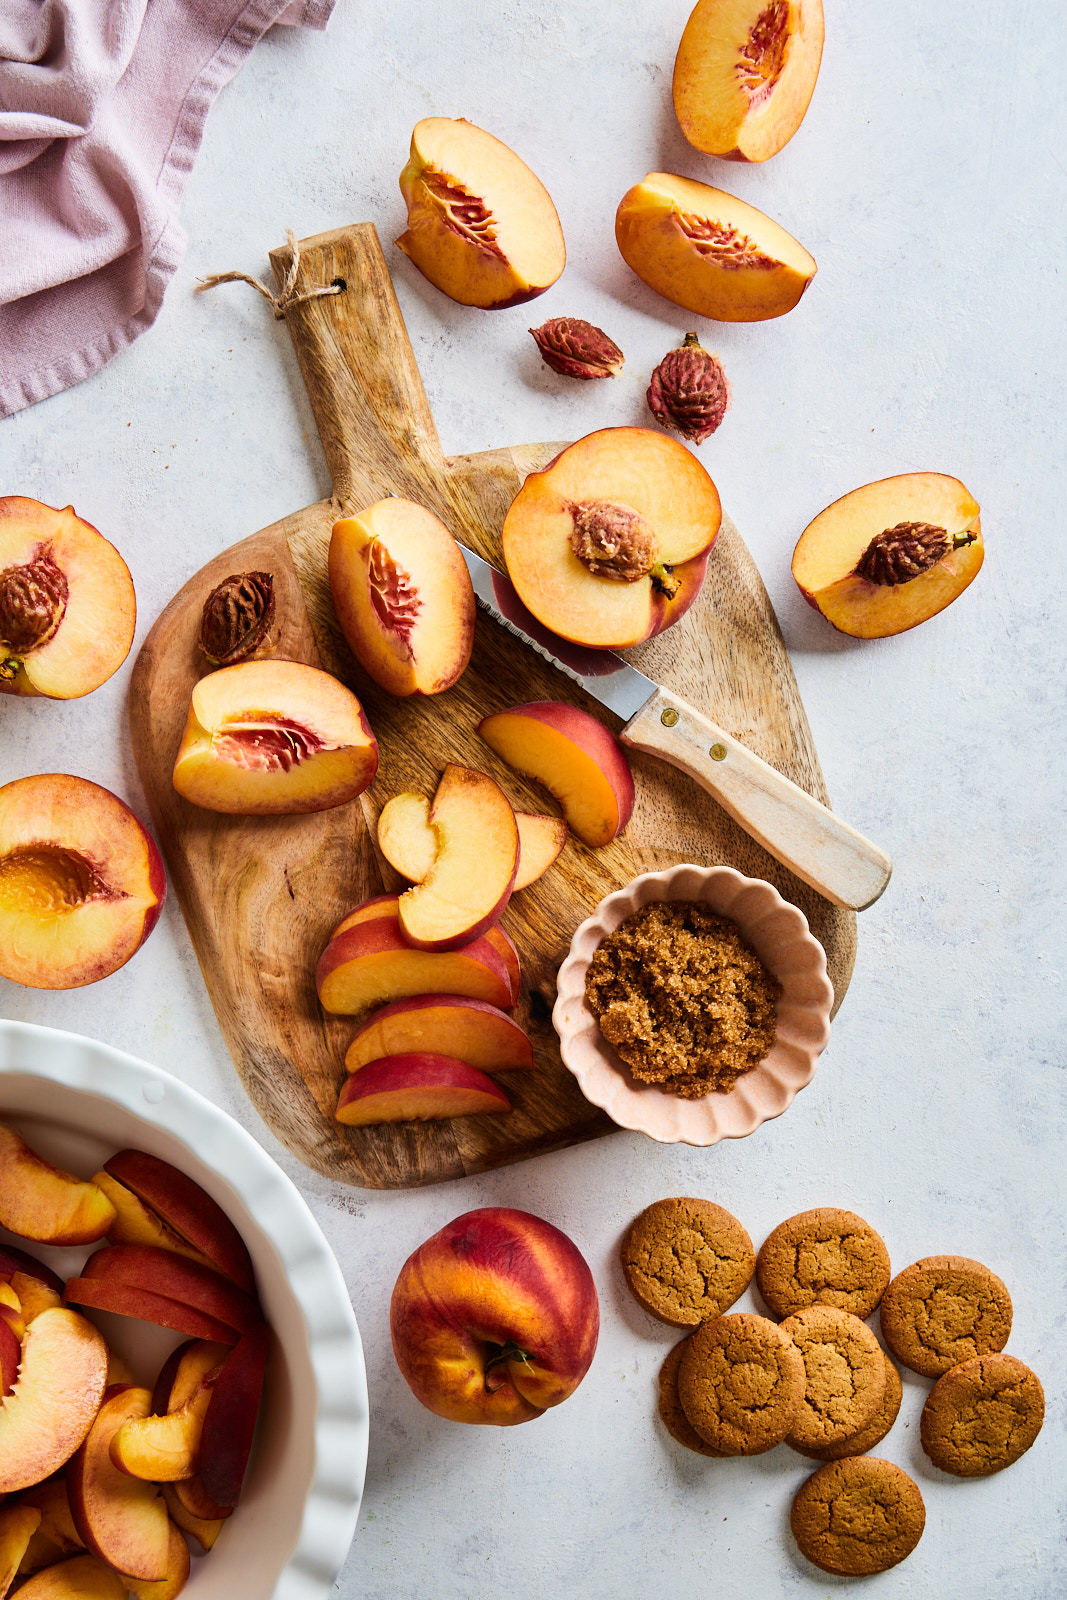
[[371, 963], [122, 1520], [417, 1086], [388, 906], [182, 1205], [481, 1035], [161, 1272], [230, 1423]]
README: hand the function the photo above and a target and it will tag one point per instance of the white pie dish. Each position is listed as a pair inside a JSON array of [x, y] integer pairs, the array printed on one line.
[[77, 1101]]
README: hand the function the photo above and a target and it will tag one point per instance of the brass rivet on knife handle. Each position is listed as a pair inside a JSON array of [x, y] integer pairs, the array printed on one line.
[[793, 826]]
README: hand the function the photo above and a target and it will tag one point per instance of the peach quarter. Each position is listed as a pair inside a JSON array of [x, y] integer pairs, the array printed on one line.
[[481, 226], [574, 757]]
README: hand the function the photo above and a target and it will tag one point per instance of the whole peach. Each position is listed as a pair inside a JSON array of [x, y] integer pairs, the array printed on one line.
[[495, 1318]]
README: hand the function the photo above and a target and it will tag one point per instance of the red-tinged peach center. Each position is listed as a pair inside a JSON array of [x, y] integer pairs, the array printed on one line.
[[762, 56], [267, 744], [50, 880], [393, 595], [723, 243], [463, 212], [612, 540], [33, 600]]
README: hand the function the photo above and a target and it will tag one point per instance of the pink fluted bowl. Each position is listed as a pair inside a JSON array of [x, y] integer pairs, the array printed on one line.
[[778, 933]]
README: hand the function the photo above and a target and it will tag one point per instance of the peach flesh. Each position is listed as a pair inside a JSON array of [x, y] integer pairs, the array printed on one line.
[[481, 226], [80, 1578], [574, 757], [122, 1520], [470, 882], [52, 1501], [387, 906], [403, 597], [417, 1086], [59, 1389], [177, 1575], [481, 1035], [370, 964], [407, 840], [67, 608], [273, 738], [161, 1272], [81, 882], [205, 1530], [44, 1203], [164, 1449]]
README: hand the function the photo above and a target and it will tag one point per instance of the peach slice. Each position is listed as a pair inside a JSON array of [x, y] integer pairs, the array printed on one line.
[[745, 73], [67, 607], [177, 1574], [183, 1206], [205, 1530], [479, 1034], [81, 882], [481, 227], [165, 1448], [144, 1266], [51, 1501], [128, 1301], [417, 1086], [470, 882], [80, 1578], [574, 756], [230, 1424], [58, 1393], [597, 543], [34, 1296], [44, 1203], [372, 963], [190, 1493], [18, 1524], [387, 906], [891, 554], [403, 597], [11, 1313], [136, 1223], [409, 844], [504, 946], [710, 252], [18, 1264], [122, 1520], [269, 738]]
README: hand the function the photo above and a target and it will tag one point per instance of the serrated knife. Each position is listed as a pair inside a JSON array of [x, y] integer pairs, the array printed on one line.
[[795, 828]]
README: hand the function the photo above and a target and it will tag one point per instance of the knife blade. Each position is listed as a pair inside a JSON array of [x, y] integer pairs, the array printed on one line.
[[802, 833]]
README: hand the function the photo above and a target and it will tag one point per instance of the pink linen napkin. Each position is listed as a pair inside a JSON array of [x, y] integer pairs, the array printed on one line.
[[102, 109]]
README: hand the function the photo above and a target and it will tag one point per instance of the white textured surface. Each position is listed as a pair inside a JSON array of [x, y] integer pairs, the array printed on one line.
[[929, 182]]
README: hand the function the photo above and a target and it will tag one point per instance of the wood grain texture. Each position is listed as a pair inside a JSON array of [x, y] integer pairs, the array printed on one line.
[[261, 895]]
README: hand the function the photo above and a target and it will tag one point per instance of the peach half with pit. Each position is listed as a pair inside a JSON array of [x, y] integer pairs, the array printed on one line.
[[417, 1086], [470, 881], [371, 963], [481, 227], [574, 757], [269, 738], [890, 554], [44, 1203], [403, 597], [745, 73], [81, 882], [608, 544], [60, 1386], [407, 840], [67, 607], [708, 251]]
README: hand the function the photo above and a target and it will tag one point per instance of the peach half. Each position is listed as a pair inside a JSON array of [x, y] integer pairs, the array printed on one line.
[[481, 226], [60, 1386], [67, 608], [417, 1086], [371, 963], [470, 881], [44, 1203], [607, 545], [891, 554], [274, 737], [81, 882], [403, 597], [744, 74], [481, 1035], [408, 842], [710, 252], [574, 757]]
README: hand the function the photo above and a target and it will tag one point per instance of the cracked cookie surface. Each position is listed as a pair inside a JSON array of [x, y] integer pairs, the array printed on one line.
[[741, 1382], [686, 1260], [858, 1517], [823, 1257], [845, 1375], [982, 1415], [944, 1310], [857, 1444], [671, 1413]]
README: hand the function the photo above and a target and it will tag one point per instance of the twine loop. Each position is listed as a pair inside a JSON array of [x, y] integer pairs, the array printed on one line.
[[280, 303]]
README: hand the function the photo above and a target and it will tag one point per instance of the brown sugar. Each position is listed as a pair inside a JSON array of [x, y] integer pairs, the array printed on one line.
[[681, 997]]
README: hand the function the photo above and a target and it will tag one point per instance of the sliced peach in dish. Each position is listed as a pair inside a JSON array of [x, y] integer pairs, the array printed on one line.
[[190, 1493], [67, 608], [598, 543], [126, 1300], [176, 1577], [165, 1448], [418, 1086], [708, 251], [81, 882], [34, 1296], [11, 1311], [891, 554], [481, 1035], [205, 1530], [386, 906], [230, 1424], [574, 757], [10, 1357], [407, 840], [59, 1389], [403, 597], [186, 1208], [136, 1223], [744, 74], [144, 1266], [271, 738], [470, 882], [481, 227], [372, 963], [80, 1578], [122, 1520], [504, 946], [44, 1203], [18, 1524], [18, 1264]]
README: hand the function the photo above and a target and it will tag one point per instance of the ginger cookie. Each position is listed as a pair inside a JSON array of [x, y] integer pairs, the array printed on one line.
[[686, 1260], [741, 1382], [859, 1443], [857, 1517], [944, 1310], [824, 1257], [845, 1375], [982, 1415], [673, 1417]]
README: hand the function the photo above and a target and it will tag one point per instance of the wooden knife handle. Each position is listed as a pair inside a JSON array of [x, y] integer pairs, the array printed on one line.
[[799, 831]]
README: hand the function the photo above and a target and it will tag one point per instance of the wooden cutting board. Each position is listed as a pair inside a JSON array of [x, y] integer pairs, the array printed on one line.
[[261, 895]]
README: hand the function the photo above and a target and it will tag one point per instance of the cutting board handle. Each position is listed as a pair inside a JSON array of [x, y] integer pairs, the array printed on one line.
[[362, 379]]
